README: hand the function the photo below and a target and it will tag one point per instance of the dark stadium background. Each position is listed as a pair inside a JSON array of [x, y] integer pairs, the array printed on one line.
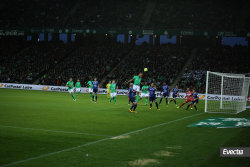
[[225, 40]]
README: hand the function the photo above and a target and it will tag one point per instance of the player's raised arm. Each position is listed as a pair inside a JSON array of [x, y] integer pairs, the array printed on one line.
[[130, 80]]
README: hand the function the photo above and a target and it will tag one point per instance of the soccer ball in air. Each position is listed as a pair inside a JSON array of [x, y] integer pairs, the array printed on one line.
[[145, 69]]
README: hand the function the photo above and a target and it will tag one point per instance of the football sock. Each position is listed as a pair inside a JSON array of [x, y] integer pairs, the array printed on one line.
[[146, 101], [137, 97], [171, 100], [95, 98], [74, 96], [90, 95], [135, 107], [128, 101], [182, 104], [114, 99], [78, 93], [195, 107], [187, 107], [156, 104], [150, 105], [166, 101], [191, 105], [132, 106], [110, 99], [174, 101], [160, 101]]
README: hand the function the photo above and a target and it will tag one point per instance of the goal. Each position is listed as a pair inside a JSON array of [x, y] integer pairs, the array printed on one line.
[[226, 92]]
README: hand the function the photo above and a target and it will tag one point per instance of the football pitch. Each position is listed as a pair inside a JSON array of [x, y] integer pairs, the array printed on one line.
[[49, 129]]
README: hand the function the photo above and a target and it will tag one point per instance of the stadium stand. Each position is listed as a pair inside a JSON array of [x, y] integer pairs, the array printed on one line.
[[247, 24], [89, 61], [224, 59], [108, 14], [33, 13], [30, 64], [163, 63], [192, 14], [9, 49]]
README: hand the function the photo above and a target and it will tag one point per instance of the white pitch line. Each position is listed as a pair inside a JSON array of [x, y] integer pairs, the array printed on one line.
[[53, 131], [44, 155]]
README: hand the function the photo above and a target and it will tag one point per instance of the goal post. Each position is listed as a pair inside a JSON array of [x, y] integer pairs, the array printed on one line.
[[226, 92]]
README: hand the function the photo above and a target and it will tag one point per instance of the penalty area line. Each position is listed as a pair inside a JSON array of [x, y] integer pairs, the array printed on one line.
[[56, 131], [79, 146]]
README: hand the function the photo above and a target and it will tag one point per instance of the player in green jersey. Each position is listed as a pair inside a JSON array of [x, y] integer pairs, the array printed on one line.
[[90, 85], [78, 87], [136, 86], [144, 92], [112, 89], [70, 85]]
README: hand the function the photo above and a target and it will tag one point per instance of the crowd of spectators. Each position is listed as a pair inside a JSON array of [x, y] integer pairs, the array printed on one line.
[[30, 64], [33, 13], [9, 49], [88, 62], [108, 14], [223, 59], [193, 14], [163, 63]]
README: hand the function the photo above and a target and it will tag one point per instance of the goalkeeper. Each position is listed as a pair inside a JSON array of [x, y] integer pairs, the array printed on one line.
[[189, 96], [108, 91]]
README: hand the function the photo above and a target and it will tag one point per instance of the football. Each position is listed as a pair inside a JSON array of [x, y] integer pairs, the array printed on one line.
[[145, 69]]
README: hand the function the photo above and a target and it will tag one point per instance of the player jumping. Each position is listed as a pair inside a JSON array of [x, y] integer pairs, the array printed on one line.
[[175, 94], [189, 96], [70, 85], [131, 98], [152, 96], [95, 90], [136, 86], [195, 100], [165, 94]]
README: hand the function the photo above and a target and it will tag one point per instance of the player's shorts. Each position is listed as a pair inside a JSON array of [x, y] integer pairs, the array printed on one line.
[[136, 87], [132, 99], [188, 100], [71, 91], [151, 99], [144, 95], [95, 91], [78, 89], [108, 91], [195, 102], [90, 90], [113, 94], [164, 95], [174, 96]]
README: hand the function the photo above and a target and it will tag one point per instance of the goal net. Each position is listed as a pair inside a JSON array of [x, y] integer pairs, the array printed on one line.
[[226, 93]]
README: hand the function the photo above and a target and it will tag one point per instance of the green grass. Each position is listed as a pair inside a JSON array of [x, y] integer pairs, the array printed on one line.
[[37, 123]]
